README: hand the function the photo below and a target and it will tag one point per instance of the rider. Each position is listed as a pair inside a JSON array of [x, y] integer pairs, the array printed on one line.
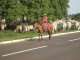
[[44, 22]]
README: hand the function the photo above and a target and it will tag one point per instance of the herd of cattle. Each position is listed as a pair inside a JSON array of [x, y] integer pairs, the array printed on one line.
[[58, 25], [23, 27]]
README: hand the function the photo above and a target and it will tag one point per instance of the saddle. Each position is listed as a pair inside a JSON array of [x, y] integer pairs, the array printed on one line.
[[46, 26]]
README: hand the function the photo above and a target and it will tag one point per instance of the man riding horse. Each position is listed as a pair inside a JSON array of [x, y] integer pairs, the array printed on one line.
[[44, 26]]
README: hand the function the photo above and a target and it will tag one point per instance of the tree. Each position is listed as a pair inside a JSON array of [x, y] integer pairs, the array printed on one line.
[[33, 9], [75, 16]]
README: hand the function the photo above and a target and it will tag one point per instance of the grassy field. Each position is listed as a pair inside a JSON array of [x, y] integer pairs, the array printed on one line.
[[10, 35]]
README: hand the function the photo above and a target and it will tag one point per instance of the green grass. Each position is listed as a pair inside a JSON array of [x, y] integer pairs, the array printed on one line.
[[10, 35]]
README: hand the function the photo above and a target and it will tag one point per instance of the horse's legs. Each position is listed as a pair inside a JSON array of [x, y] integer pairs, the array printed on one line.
[[49, 32], [39, 36], [49, 36]]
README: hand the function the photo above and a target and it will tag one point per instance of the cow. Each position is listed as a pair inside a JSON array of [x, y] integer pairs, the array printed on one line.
[[18, 29], [2, 24]]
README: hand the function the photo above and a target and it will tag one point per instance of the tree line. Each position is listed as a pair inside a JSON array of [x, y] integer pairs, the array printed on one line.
[[31, 10], [75, 16]]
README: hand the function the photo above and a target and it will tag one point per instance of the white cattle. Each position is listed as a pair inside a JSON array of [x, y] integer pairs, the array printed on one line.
[[79, 27], [30, 27], [2, 24], [64, 25], [54, 24], [23, 28], [27, 28], [69, 25], [77, 24], [61, 25], [18, 28], [2, 27]]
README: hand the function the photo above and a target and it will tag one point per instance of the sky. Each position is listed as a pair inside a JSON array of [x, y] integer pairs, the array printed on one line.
[[74, 7]]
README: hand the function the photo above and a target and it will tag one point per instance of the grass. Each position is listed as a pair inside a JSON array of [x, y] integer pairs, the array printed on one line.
[[10, 35]]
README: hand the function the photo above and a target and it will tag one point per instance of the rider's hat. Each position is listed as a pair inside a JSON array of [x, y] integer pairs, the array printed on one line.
[[44, 14]]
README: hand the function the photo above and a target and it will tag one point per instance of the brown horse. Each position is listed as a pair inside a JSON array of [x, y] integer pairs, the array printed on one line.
[[40, 29]]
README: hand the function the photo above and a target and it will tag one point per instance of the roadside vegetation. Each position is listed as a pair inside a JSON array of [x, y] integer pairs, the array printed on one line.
[[10, 35]]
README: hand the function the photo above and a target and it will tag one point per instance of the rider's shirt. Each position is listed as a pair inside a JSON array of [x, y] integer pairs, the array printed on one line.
[[44, 23], [45, 19]]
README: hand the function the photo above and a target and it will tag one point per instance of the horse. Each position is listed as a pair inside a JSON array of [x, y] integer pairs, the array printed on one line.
[[40, 29]]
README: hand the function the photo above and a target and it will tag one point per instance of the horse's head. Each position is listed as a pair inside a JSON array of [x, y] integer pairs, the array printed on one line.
[[35, 25]]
